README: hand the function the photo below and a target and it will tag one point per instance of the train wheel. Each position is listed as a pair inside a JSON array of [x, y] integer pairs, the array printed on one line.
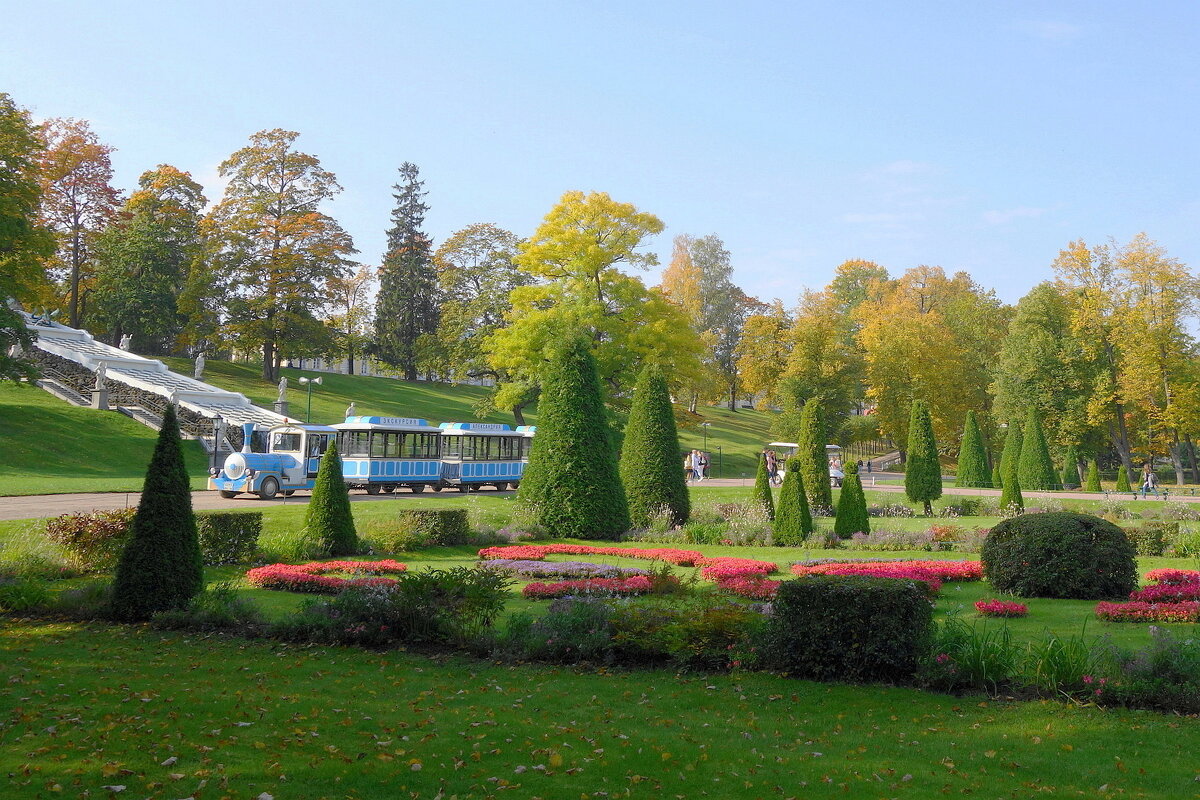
[[417, 488], [437, 487], [464, 487], [372, 488], [288, 492], [229, 495], [387, 489], [269, 488]]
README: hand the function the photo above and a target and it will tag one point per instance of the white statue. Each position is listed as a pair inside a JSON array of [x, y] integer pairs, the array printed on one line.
[[350, 410], [101, 371], [282, 390], [199, 373], [126, 341]]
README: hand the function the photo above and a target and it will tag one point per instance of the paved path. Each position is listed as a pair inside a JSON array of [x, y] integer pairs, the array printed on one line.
[[51, 505]]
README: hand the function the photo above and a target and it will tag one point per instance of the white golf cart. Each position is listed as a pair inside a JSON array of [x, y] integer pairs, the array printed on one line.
[[785, 450]]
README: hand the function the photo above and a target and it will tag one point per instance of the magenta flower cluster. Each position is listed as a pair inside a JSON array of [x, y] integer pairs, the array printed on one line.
[[559, 569], [1000, 608], [638, 584], [1173, 596], [316, 578]]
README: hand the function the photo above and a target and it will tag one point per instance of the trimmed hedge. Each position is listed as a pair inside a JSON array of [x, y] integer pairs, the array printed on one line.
[[1060, 554], [760, 495], [229, 537], [649, 465], [848, 628], [972, 459], [329, 518], [793, 519], [851, 516]]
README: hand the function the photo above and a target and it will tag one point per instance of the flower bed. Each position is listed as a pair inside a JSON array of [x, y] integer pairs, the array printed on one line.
[[1139, 611], [638, 584], [1173, 577], [672, 555], [1000, 608], [1167, 593], [315, 576], [559, 569], [901, 570], [749, 586], [954, 571]]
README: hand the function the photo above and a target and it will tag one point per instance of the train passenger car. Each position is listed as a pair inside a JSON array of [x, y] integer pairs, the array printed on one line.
[[476, 454], [291, 463], [382, 454]]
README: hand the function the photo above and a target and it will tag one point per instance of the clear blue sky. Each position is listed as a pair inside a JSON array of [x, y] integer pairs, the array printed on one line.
[[976, 136]]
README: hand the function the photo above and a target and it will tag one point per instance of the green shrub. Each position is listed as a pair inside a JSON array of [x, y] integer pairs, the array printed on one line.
[[443, 526], [572, 483], [706, 632], [848, 628], [1035, 470], [1152, 538], [972, 459], [851, 515], [1058, 666], [1164, 675], [649, 465], [1092, 482], [1070, 470], [328, 517], [160, 567], [290, 544], [793, 520], [922, 470], [1123, 480], [760, 495], [573, 629], [1060, 554], [23, 594], [814, 458], [93, 540], [229, 537]]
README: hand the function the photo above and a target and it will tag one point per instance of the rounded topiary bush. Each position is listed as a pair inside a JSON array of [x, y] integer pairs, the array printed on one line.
[[1060, 554]]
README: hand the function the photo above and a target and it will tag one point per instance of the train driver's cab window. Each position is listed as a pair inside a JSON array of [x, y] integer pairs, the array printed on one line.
[[285, 442], [318, 443]]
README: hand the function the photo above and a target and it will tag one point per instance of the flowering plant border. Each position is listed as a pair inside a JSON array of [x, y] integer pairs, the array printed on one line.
[[1001, 608], [672, 555], [314, 577], [1139, 611], [638, 584]]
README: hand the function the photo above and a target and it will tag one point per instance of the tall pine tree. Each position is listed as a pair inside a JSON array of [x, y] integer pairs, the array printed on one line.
[[650, 454], [571, 485], [852, 514], [793, 520], [814, 459], [1035, 471], [407, 307], [972, 460], [922, 470], [161, 566]]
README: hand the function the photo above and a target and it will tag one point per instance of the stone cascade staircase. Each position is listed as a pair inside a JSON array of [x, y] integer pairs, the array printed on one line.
[[142, 387]]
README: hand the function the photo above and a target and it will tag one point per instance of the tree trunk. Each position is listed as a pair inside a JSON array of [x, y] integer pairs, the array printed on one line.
[[350, 361], [733, 397], [1177, 457], [517, 415], [268, 355], [1120, 440], [694, 402], [76, 258], [1191, 452]]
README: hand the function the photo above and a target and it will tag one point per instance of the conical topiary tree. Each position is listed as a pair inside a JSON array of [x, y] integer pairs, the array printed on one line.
[[1092, 483], [1123, 479], [1036, 469], [922, 470], [1011, 454], [972, 459], [329, 518], [761, 494], [571, 486], [1010, 494], [1070, 470], [997, 481], [161, 566], [793, 518], [649, 468], [852, 505], [814, 458]]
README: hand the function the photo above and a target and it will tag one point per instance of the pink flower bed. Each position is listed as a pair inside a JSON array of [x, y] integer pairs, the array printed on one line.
[[961, 571], [1167, 593], [314, 577], [1139, 611], [1000, 608], [672, 555], [1173, 577], [753, 587], [638, 584], [897, 569]]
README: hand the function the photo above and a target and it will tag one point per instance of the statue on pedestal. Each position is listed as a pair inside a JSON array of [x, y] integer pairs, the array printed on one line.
[[199, 373], [350, 410], [101, 372], [126, 341], [282, 398]]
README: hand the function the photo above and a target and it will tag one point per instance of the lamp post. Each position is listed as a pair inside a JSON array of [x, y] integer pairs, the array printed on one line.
[[309, 382]]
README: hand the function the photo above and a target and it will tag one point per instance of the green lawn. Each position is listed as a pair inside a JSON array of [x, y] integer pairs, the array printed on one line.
[[50, 446], [85, 708]]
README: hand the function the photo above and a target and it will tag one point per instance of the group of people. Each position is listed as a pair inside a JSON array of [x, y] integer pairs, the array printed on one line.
[[695, 465]]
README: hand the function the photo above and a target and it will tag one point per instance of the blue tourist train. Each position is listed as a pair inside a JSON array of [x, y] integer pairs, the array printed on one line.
[[379, 454]]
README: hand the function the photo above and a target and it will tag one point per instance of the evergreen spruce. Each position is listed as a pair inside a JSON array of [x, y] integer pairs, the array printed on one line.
[[650, 471], [329, 517], [1070, 470], [972, 460], [1123, 479], [922, 470], [161, 567], [1036, 469], [814, 459], [793, 519], [407, 305], [572, 486], [1092, 483], [852, 505], [761, 494]]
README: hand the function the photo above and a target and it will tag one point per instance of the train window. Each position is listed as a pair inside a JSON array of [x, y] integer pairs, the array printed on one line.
[[377, 444], [317, 444], [286, 442], [356, 443], [392, 444], [452, 447]]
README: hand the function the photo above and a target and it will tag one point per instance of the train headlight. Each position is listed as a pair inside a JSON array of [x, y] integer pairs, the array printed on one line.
[[235, 466], [213, 471]]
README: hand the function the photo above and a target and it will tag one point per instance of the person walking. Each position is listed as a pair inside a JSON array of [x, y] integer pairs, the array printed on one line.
[[772, 468], [704, 463], [688, 467]]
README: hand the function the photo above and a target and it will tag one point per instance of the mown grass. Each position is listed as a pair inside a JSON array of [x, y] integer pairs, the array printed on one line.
[[85, 708]]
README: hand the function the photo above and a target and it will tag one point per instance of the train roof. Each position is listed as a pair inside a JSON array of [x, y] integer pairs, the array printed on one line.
[[412, 424], [484, 429], [303, 426]]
